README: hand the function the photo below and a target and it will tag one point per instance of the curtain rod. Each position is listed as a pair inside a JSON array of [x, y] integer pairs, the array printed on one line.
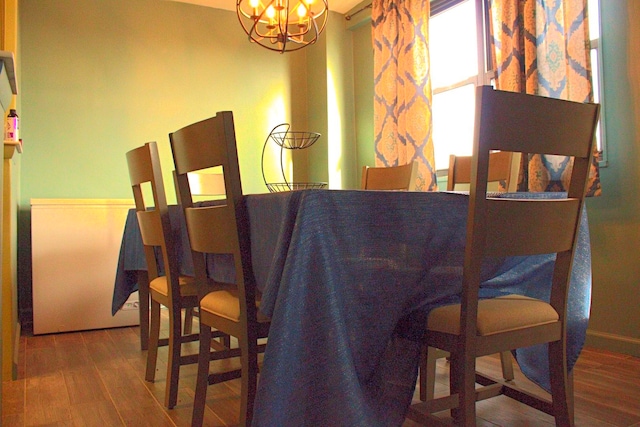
[[348, 17]]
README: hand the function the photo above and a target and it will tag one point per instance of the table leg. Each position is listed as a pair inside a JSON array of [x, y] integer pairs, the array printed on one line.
[[143, 296]]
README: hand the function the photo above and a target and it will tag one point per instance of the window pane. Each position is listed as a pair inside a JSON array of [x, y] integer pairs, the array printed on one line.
[[452, 45], [453, 118], [594, 19], [595, 77]]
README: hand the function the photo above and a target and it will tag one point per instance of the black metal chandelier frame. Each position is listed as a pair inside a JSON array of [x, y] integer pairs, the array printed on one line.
[[279, 32]]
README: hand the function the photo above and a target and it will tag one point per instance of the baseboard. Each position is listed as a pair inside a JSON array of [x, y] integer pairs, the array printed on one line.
[[613, 342]]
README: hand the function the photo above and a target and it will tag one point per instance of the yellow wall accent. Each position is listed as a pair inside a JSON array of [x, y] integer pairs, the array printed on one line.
[[10, 327]]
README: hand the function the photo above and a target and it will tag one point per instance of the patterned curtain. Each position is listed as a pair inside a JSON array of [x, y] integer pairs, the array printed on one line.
[[402, 101], [542, 47]]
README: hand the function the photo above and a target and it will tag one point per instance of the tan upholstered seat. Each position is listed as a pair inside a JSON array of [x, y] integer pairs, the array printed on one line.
[[225, 304], [495, 315], [503, 227], [187, 287]]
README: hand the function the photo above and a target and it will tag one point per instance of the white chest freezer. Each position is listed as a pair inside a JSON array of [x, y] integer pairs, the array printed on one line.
[[75, 246]]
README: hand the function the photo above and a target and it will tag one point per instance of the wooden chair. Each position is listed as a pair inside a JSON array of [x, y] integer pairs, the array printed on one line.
[[205, 186], [390, 178], [499, 227], [166, 286], [220, 229], [500, 169]]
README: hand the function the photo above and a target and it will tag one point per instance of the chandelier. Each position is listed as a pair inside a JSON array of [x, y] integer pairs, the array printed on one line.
[[283, 25]]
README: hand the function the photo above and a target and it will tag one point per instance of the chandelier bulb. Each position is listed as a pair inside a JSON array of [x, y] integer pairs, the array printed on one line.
[[302, 11]]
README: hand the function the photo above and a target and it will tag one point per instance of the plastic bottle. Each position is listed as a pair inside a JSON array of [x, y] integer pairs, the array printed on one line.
[[12, 127]]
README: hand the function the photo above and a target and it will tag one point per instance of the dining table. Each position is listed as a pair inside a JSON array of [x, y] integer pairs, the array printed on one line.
[[348, 278]]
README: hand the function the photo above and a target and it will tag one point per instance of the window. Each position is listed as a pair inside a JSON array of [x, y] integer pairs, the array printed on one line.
[[458, 64], [596, 67], [460, 61]]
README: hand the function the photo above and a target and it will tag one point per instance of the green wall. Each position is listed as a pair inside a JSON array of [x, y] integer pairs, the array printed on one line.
[[614, 218], [98, 78], [317, 121], [363, 92], [332, 107], [101, 77]]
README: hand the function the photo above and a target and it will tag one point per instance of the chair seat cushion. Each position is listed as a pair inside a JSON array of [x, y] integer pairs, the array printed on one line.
[[495, 315], [225, 303], [187, 286]]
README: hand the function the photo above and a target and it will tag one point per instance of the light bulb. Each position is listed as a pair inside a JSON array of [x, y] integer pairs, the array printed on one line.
[[271, 12], [302, 10], [254, 3]]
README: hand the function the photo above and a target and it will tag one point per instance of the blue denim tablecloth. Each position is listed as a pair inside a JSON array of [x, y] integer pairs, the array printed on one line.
[[340, 270]]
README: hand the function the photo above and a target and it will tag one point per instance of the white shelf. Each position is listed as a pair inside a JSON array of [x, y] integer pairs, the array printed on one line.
[[12, 147]]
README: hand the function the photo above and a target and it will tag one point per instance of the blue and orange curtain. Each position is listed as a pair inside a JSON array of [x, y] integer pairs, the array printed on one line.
[[539, 47], [402, 94], [542, 47]]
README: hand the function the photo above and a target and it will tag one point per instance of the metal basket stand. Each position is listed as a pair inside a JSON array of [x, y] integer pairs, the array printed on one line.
[[291, 140]]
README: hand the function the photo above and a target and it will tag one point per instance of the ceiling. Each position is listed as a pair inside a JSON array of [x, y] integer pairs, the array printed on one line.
[[340, 6]]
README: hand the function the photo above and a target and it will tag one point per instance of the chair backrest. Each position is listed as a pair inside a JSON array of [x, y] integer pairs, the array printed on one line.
[[501, 168], [155, 226], [220, 228], [390, 178], [496, 227]]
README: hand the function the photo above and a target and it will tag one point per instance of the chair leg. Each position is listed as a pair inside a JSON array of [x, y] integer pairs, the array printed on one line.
[[462, 382], [188, 321], [428, 372], [561, 385], [226, 341], [173, 364], [428, 359], [455, 383], [507, 366], [469, 394], [202, 379], [143, 307], [154, 336], [423, 373], [249, 366]]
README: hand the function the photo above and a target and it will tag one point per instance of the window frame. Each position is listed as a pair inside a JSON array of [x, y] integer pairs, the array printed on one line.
[[486, 74]]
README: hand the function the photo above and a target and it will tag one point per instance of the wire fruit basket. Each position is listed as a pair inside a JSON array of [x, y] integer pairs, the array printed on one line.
[[290, 140], [294, 140], [276, 187]]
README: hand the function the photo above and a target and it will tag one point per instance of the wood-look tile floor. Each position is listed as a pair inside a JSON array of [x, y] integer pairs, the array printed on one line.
[[96, 378]]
